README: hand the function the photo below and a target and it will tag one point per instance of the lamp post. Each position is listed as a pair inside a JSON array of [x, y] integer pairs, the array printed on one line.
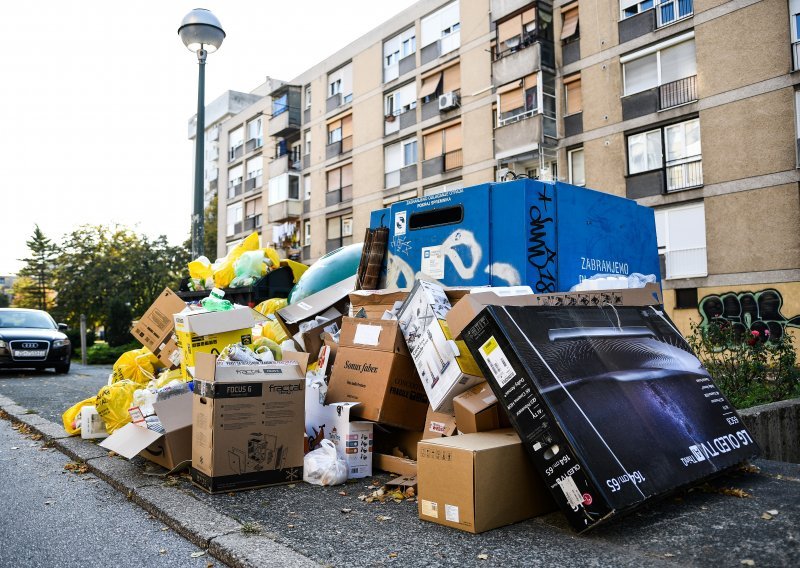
[[202, 33]]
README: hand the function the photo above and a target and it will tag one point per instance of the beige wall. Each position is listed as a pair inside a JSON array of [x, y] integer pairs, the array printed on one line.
[[368, 70], [749, 137], [753, 231], [598, 25], [368, 172], [605, 171], [601, 87], [474, 20], [743, 47]]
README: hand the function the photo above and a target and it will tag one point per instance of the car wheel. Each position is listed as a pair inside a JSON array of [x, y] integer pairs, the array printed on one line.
[[63, 368]]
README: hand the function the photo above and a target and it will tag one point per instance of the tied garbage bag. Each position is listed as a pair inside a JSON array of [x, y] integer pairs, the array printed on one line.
[[72, 417], [137, 365], [200, 268], [273, 257], [113, 402], [269, 307], [223, 267], [323, 466], [248, 268]]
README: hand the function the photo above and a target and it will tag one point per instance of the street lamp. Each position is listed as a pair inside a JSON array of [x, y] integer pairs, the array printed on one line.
[[202, 33]]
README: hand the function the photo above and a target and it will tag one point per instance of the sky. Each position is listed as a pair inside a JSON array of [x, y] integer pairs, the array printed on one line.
[[95, 99]]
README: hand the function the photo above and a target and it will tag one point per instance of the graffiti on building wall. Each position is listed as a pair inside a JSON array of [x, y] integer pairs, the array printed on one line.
[[747, 312]]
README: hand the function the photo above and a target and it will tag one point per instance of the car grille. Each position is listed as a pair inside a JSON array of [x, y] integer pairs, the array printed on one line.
[[29, 345]]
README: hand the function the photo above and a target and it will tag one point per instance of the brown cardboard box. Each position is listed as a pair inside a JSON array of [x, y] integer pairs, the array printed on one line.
[[438, 424], [249, 424], [155, 328], [372, 367], [375, 302], [477, 411], [478, 482], [395, 451], [470, 305], [170, 449]]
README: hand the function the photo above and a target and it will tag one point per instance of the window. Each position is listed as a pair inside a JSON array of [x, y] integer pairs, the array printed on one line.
[[572, 94], [794, 25], [569, 23], [644, 151], [307, 136], [517, 100], [254, 170], [283, 187], [234, 219], [235, 143], [665, 63], [440, 81], [335, 132], [394, 49], [306, 186], [669, 11], [408, 46], [401, 100], [255, 132], [397, 156], [674, 148], [577, 174], [409, 152], [308, 97], [234, 181], [252, 210], [511, 31], [681, 235], [444, 142], [341, 180], [307, 233], [335, 87], [686, 298], [341, 130], [444, 25], [630, 8], [339, 232], [340, 82]]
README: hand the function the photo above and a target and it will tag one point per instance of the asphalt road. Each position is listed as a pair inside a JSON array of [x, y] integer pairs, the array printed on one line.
[[702, 527], [54, 517]]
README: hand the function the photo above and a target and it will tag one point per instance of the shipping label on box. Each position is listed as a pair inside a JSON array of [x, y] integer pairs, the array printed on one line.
[[438, 424], [567, 375]]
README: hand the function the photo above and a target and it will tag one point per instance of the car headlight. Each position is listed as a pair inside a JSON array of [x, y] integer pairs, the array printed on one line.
[[3, 344], [60, 343]]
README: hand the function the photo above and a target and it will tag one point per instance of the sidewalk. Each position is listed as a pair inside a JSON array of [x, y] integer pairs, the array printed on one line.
[[302, 524]]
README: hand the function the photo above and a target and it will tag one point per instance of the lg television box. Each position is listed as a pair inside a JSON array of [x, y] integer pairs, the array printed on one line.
[[478, 482], [155, 328], [373, 367], [610, 402], [249, 425]]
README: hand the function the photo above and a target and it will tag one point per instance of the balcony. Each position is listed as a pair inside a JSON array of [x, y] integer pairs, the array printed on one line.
[[502, 8], [677, 93], [234, 190], [399, 177], [518, 61], [253, 144], [286, 210], [447, 162], [339, 147], [340, 195], [289, 162], [252, 223], [518, 133], [333, 102], [440, 47], [662, 14], [252, 183], [399, 120], [687, 263], [285, 123], [684, 174]]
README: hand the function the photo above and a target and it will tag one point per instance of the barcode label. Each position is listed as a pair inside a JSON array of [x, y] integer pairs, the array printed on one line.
[[430, 508], [497, 361], [571, 491]]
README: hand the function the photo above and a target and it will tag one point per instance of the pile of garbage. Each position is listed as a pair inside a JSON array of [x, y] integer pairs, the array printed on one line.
[[510, 377]]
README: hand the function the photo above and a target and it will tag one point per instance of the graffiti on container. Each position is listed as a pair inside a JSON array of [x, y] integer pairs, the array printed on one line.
[[540, 256], [747, 312]]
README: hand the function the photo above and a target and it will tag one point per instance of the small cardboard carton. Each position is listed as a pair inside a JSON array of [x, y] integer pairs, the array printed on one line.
[[169, 449], [478, 482], [445, 366], [438, 424], [375, 302], [330, 303], [353, 439], [372, 367], [248, 424], [477, 411], [203, 331], [396, 451], [613, 407], [155, 328]]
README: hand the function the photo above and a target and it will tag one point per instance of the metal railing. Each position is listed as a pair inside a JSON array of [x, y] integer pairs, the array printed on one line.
[[525, 39], [452, 160], [687, 263], [684, 174], [669, 11], [516, 115], [234, 190], [677, 92]]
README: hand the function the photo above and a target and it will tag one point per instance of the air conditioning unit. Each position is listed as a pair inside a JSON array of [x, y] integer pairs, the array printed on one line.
[[501, 174], [448, 100]]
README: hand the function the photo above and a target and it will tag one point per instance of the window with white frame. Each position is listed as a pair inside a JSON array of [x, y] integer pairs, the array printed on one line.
[[254, 170], [255, 132], [235, 143], [307, 186], [794, 27], [283, 187], [307, 143], [307, 233], [308, 97], [628, 8], [675, 147], [401, 100], [340, 231], [577, 174], [394, 49], [409, 151], [669, 11], [235, 181], [661, 64], [340, 82], [444, 25], [398, 156], [234, 219], [681, 236]]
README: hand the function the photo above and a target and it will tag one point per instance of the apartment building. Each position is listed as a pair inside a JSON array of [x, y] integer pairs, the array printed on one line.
[[687, 106], [216, 113]]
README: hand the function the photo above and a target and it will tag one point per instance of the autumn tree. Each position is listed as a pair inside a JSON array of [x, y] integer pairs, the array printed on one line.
[[36, 275]]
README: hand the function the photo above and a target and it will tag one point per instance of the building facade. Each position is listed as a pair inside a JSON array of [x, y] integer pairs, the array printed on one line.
[[687, 106]]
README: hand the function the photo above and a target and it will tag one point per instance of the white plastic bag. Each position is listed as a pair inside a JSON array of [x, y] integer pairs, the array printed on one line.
[[323, 466]]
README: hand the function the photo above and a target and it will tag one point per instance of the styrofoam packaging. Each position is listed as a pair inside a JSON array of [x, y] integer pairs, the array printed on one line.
[[92, 425]]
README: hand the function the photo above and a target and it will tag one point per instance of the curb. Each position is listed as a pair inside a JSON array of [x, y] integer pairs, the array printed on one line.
[[197, 522]]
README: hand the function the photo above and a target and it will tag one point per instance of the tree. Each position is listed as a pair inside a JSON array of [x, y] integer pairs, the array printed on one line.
[[4, 301], [38, 271]]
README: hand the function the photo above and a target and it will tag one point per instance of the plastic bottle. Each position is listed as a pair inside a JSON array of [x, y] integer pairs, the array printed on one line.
[[215, 302]]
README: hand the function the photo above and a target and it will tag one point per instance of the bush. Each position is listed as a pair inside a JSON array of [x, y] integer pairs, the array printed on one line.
[[751, 369], [103, 354], [74, 336]]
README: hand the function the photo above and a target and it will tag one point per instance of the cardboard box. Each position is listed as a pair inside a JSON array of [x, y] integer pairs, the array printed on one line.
[[445, 366], [330, 302], [613, 407], [353, 439], [155, 328], [191, 344], [248, 425], [170, 449], [477, 410], [438, 424], [375, 302], [478, 482], [396, 451], [372, 367], [548, 235], [469, 306]]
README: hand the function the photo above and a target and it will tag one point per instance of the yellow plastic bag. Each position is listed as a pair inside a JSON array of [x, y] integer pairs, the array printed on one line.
[[113, 402], [269, 307], [298, 268], [272, 330], [166, 377], [272, 254], [263, 343], [137, 365], [224, 273], [200, 268], [69, 418]]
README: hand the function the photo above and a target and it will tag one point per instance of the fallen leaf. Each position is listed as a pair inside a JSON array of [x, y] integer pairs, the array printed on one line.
[[347, 510], [733, 492], [290, 526], [291, 486], [392, 555], [342, 493], [766, 516], [164, 528], [410, 492], [773, 512], [162, 551], [483, 557], [112, 454], [748, 562], [383, 518], [198, 554]]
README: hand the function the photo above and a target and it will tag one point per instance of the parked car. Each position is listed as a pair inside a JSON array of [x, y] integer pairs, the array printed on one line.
[[32, 339]]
